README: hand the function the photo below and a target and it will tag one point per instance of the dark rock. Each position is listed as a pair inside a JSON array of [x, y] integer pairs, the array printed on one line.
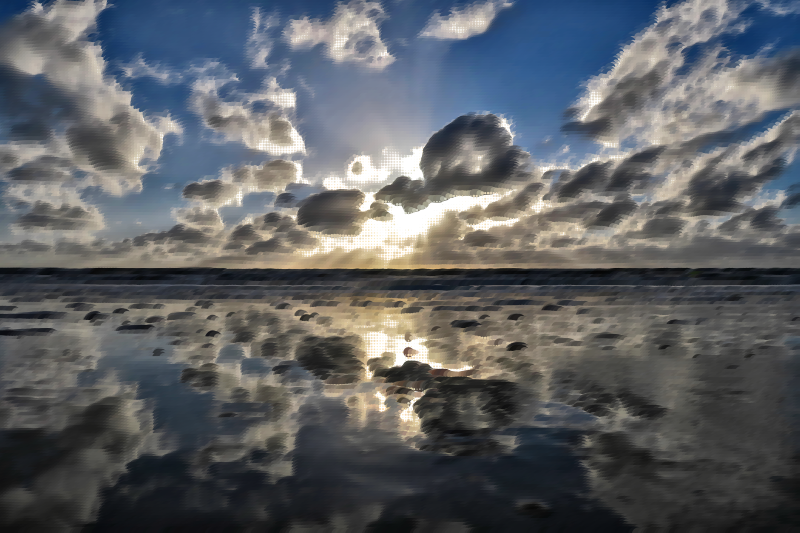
[[27, 332], [608, 335], [180, 315], [464, 323], [34, 315], [135, 328]]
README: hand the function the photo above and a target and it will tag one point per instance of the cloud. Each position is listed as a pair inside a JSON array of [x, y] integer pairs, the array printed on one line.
[[285, 199], [466, 22], [653, 93], [139, 68], [55, 94], [273, 176], [45, 168], [472, 155], [333, 212], [212, 192], [180, 233], [286, 236], [764, 219], [198, 216], [659, 228], [351, 35], [44, 216], [273, 245], [259, 43], [258, 120]]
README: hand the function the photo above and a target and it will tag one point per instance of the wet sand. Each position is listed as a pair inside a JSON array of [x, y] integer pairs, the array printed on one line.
[[464, 402]]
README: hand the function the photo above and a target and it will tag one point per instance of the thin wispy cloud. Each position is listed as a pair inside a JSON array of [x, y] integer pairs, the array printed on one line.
[[464, 22]]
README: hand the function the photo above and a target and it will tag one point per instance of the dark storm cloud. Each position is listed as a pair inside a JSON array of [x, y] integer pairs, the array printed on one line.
[[333, 212], [379, 211], [45, 216], [212, 191]]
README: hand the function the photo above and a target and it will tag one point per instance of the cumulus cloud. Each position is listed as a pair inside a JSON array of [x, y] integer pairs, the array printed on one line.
[[198, 216], [45, 168], [285, 199], [212, 192], [653, 93], [44, 216], [333, 212], [259, 120], [352, 34], [56, 94], [465, 22], [273, 176], [473, 155]]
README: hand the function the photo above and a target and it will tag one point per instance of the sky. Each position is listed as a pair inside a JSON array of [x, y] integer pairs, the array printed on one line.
[[402, 134]]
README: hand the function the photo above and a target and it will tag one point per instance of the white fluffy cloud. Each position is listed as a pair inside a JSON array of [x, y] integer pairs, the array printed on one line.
[[654, 94], [273, 176], [57, 97], [466, 22], [352, 34], [259, 120]]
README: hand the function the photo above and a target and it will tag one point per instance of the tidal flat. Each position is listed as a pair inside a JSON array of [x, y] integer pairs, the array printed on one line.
[[223, 400]]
